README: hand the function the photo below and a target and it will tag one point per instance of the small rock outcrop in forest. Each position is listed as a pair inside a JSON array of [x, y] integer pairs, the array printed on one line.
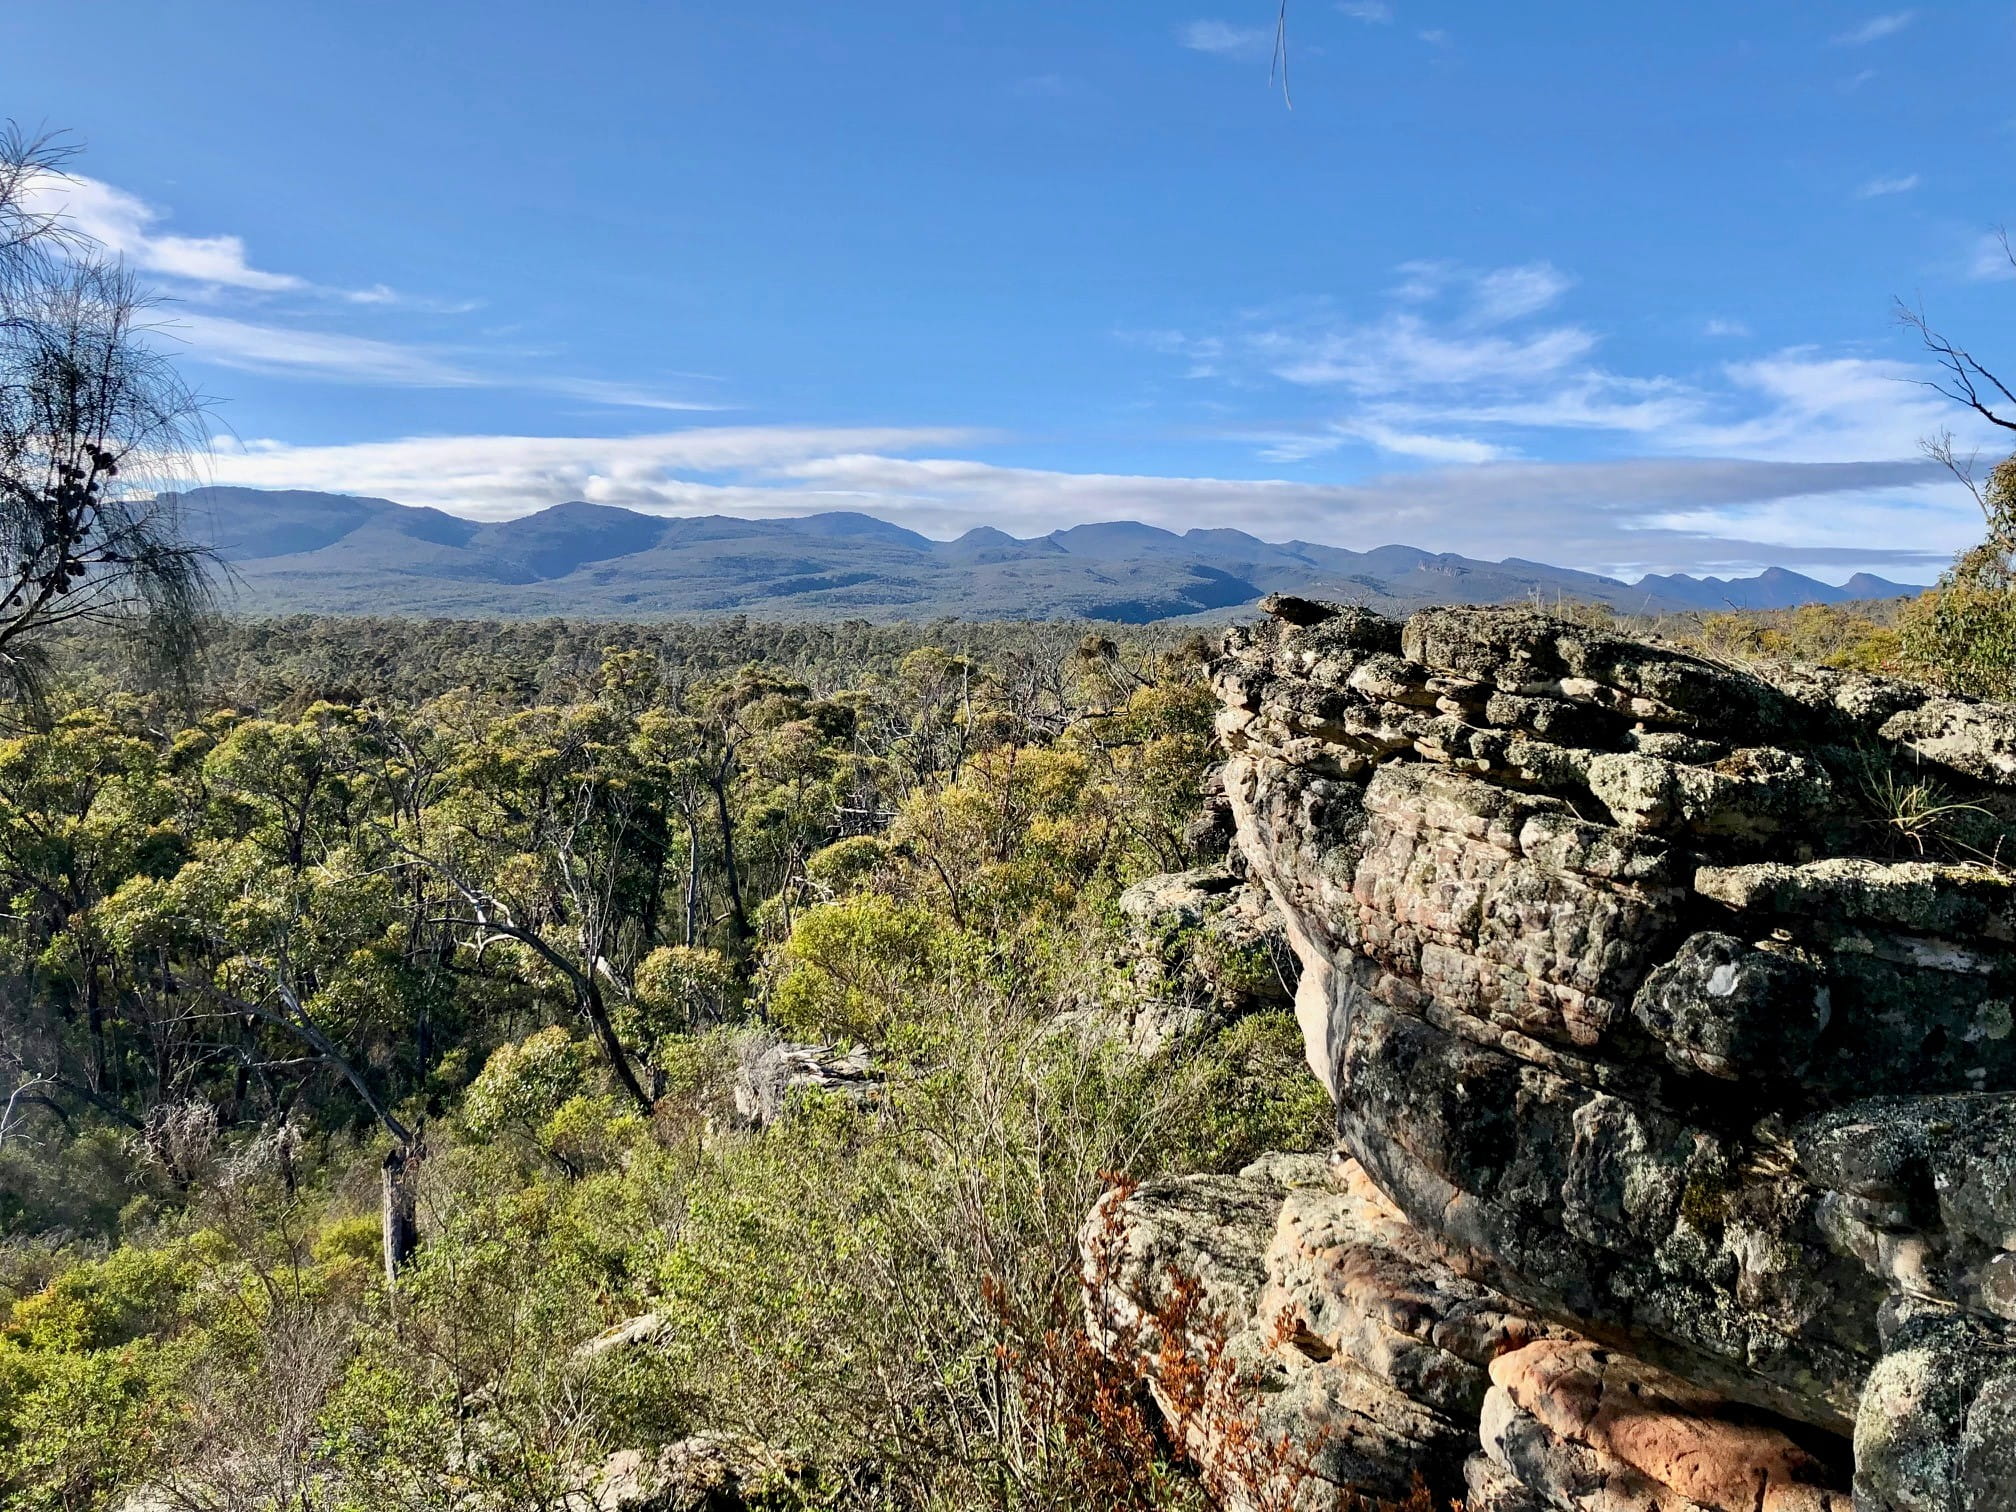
[[1668, 1013]]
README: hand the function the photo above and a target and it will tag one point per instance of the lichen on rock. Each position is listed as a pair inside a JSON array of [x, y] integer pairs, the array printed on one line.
[[1675, 1078]]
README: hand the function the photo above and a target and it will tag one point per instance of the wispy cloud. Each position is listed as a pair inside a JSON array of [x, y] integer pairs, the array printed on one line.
[[1503, 295], [1875, 29], [127, 226], [234, 313], [298, 352], [1225, 39], [1719, 327], [1876, 188], [1465, 363], [1407, 349], [291, 351], [1434, 37], [1426, 446], [1371, 11], [1992, 257]]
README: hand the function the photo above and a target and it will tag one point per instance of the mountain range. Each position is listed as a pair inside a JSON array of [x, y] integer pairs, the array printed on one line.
[[304, 552]]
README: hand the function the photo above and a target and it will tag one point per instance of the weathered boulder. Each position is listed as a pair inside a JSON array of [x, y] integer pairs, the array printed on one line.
[[770, 1075], [1355, 1344], [1199, 1269], [1677, 1052], [1207, 948], [709, 1472]]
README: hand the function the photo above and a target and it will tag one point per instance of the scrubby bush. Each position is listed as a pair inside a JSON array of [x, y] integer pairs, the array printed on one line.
[[1962, 634]]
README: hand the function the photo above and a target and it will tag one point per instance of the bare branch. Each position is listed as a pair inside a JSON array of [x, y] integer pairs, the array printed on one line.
[[1965, 375], [26, 1090], [1940, 449]]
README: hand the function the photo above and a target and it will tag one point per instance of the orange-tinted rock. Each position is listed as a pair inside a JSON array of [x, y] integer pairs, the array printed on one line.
[[1653, 1438]]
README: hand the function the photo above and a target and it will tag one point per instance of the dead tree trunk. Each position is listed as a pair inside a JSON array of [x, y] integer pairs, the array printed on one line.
[[401, 1208]]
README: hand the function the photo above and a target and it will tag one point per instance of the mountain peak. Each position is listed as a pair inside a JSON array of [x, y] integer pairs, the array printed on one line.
[[300, 551]]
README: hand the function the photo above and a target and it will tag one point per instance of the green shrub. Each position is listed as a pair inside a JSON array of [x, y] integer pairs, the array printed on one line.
[[853, 966], [1962, 636], [524, 1084]]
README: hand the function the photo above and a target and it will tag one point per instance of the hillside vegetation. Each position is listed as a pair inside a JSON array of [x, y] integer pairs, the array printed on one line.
[[532, 927]]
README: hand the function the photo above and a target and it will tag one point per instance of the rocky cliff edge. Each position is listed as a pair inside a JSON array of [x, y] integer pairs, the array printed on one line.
[[1668, 1012]]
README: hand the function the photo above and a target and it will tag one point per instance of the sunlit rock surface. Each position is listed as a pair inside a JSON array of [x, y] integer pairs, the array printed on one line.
[[1669, 1021]]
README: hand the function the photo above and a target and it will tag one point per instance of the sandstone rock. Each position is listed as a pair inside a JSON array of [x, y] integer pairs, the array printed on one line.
[[1317, 1415], [1489, 1487], [1937, 1429], [1588, 1428], [1362, 1350], [1668, 1080], [770, 1075], [705, 1473], [1207, 948], [639, 1332]]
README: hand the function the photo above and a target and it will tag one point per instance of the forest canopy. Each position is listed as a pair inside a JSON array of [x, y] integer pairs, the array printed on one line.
[[781, 1000]]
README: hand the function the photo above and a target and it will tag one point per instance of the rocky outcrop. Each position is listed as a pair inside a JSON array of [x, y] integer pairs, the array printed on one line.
[[772, 1075], [709, 1472], [1207, 948], [1668, 1013]]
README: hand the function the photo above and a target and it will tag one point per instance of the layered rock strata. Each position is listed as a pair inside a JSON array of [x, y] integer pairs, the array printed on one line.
[[1668, 1013]]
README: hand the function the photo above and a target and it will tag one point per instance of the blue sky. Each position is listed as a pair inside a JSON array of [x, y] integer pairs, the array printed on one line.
[[1605, 285]]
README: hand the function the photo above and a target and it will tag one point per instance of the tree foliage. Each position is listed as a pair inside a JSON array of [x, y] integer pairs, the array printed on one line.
[[94, 422], [559, 919]]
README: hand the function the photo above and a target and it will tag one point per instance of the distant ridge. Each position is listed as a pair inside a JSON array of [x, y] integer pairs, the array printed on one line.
[[1773, 588], [296, 551]]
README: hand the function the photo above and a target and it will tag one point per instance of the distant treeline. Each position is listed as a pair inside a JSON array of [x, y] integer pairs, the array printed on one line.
[[299, 659]]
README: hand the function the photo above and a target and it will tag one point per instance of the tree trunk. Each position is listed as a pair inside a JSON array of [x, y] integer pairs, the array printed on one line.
[[692, 872], [597, 1014], [401, 1208], [736, 910]]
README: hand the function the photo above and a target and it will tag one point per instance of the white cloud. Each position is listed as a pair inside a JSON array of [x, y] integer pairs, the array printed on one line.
[[1435, 38], [1875, 29], [293, 352], [1371, 11], [1507, 294], [125, 225], [221, 271], [1608, 516], [129, 228], [1589, 400], [1992, 257], [1403, 351], [1425, 446], [1876, 188], [1647, 514], [1807, 407], [1469, 364], [1721, 326], [1225, 39], [499, 477]]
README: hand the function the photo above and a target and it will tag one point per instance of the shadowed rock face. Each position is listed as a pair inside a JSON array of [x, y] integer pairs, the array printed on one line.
[[1640, 1029]]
